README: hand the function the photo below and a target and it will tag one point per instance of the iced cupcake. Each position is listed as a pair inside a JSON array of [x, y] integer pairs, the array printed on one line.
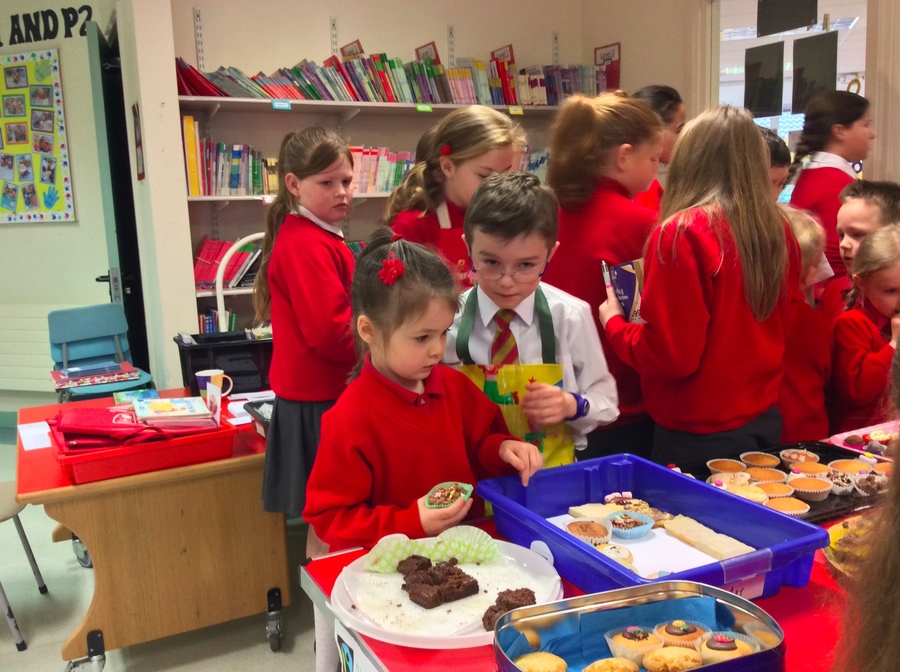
[[725, 646], [688, 634], [791, 455], [841, 483], [632, 642]]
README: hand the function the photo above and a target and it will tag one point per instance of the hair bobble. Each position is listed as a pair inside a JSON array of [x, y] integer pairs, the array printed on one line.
[[446, 151], [395, 237], [392, 268]]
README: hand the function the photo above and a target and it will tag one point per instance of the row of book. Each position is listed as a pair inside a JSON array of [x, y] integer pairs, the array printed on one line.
[[223, 169], [377, 78], [208, 322], [240, 271], [96, 373], [377, 170]]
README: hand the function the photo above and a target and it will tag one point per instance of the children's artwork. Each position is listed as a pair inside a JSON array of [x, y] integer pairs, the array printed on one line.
[[13, 106], [35, 171]]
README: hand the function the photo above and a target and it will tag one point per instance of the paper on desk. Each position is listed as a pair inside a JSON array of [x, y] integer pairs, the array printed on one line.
[[239, 413], [34, 435], [252, 396]]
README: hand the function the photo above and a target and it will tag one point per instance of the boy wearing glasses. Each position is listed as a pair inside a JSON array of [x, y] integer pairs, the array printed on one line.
[[531, 347]]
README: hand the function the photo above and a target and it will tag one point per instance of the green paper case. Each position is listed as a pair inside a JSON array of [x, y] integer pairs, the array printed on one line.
[[464, 489]]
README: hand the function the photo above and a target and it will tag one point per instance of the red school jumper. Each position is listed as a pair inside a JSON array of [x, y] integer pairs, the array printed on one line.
[[652, 198], [817, 191], [808, 350], [312, 348], [418, 226], [833, 300], [706, 364], [862, 367], [608, 227], [383, 447]]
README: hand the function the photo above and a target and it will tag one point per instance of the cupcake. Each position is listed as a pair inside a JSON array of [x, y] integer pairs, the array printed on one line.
[[612, 665], [688, 634], [811, 489], [630, 525], [852, 467], [615, 552], [728, 478], [812, 469], [773, 489], [791, 455], [884, 468], [751, 492], [725, 646], [632, 642], [593, 531], [541, 661], [789, 505], [672, 659], [870, 484], [720, 465], [765, 474], [841, 483], [756, 459]]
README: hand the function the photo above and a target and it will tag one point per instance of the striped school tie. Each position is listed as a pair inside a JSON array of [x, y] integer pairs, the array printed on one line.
[[504, 350]]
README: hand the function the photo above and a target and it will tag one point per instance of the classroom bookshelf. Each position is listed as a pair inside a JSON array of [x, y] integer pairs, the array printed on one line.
[[262, 124]]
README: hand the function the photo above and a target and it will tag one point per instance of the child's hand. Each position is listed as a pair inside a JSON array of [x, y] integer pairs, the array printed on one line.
[[435, 521], [524, 457], [545, 404], [895, 330], [611, 307]]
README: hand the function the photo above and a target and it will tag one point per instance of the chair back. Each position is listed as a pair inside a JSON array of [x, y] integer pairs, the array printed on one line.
[[91, 333]]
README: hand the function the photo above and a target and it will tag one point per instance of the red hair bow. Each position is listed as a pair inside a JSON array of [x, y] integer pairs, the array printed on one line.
[[392, 268], [446, 151]]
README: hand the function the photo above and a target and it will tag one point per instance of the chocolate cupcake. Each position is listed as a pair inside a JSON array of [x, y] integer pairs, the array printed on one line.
[[688, 634]]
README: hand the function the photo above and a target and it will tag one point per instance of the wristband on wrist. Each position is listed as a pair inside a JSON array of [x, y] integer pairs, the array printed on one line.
[[582, 407]]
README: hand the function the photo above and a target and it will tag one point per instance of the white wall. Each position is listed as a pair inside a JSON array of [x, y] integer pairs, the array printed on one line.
[[53, 265]]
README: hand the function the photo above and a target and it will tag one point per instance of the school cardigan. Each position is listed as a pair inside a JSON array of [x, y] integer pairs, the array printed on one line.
[[310, 273], [817, 191], [608, 227], [862, 367], [706, 364], [807, 370], [383, 447], [417, 226], [652, 198]]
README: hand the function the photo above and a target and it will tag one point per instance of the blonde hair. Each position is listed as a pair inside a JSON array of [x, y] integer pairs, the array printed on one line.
[[586, 130], [467, 133], [720, 164], [303, 153], [809, 234], [878, 251]]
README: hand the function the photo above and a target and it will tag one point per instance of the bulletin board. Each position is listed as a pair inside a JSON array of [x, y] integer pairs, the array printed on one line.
[[35, 178]]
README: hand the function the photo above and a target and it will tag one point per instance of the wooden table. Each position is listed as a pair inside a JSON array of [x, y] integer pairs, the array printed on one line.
[[173, 550], [810, 617]]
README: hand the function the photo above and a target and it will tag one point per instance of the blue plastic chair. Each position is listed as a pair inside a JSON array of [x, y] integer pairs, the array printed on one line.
[[81, 336]]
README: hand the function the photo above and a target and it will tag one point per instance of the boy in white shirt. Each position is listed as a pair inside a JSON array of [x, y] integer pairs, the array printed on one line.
[[510, 318]]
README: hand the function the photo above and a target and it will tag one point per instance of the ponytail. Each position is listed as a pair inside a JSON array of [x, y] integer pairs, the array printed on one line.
[[828, 109]]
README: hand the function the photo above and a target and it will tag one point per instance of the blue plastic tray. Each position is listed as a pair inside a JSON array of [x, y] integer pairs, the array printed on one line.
[[786, 546]]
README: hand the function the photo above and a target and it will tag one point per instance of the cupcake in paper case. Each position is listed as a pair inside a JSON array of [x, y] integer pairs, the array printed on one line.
[[790, 506], [632, 642], [789, 456], [757, 459], [630, 524], [884, 468], [593, 531], [727, 478], [852, 467], [724, 465], [868, 484], [776, 489], [811, 489], [841, 483], [811, 469], [766, 475], [721, 646], [689, 634]]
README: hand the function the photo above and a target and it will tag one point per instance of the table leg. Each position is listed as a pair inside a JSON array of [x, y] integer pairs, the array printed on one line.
[[173, 556]]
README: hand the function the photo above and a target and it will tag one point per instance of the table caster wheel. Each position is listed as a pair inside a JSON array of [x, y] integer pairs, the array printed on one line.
[[274, 641], [274, 632], [81, 553]]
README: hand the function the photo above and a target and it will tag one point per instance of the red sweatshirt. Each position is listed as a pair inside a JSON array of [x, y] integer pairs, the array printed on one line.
[[310, 273], [807, 369], [817, 191], [383, 447], [422, 227], [831, 303], [862, 367], [706, 364], [652, 198], [608, 227]]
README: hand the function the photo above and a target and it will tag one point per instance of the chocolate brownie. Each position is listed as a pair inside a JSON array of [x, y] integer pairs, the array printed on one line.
[[507, 600], [459, 586], [435, 585], [425, 596], [491, 616], [414, 563]]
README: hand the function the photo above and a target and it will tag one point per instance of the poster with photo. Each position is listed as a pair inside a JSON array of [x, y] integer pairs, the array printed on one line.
[[35, 172]]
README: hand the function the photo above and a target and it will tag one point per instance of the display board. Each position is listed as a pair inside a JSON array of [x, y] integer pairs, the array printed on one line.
[[35, 173]]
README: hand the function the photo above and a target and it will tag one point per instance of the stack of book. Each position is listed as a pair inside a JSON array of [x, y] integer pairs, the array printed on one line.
[[208, 322], [378, 78], [240, 271], [96, 373], [223, 169], [174, 413], [377, 170]]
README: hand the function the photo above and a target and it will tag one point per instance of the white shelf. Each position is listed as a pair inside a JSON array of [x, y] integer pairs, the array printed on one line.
[[268, 198], [213, 104], [235, 291]]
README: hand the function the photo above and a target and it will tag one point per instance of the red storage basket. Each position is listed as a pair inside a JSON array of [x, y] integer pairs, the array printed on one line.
[[85, 466]]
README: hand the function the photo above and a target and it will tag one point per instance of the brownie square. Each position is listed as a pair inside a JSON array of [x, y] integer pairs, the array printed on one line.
[[414, 563], [491, 616], [458, 587], [513, 599], [426, 596]]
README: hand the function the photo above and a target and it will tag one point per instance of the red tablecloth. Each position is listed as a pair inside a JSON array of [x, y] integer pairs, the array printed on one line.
[[810, 617]]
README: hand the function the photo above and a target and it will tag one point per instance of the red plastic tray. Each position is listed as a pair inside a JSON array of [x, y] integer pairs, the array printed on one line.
[[86, 466]]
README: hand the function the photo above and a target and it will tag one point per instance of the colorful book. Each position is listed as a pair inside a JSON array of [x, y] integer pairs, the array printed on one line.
[[129, 396], [176, 412], [190, 155], [126, 372], [628, 281]]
